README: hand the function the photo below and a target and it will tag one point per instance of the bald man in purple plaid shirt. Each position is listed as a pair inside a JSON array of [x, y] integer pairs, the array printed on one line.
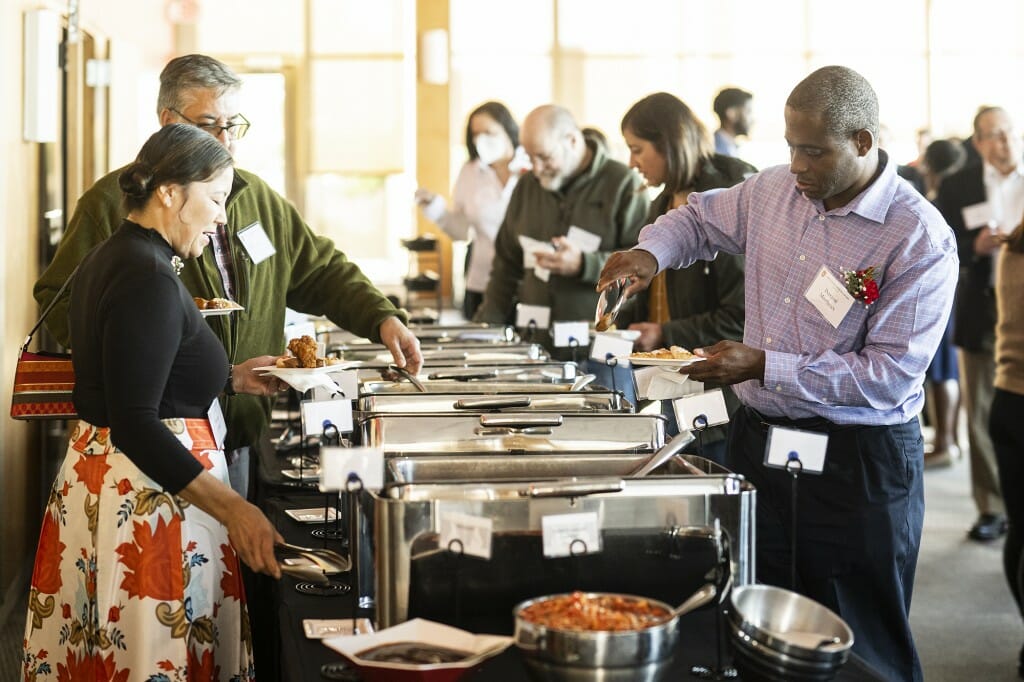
[[851, 367]]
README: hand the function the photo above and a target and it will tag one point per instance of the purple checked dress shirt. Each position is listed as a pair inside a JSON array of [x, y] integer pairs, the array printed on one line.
[[870, 369]]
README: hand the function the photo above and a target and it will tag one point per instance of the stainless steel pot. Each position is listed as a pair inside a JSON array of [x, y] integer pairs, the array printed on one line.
[[604, 649], [779, 634]]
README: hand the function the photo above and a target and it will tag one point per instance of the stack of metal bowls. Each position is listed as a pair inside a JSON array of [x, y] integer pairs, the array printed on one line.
[[777, 634]]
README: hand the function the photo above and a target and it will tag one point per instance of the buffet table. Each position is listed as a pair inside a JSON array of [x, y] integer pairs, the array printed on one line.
[[301, 658]]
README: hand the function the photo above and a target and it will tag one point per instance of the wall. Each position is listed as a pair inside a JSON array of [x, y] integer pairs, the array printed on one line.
[[136, 53]]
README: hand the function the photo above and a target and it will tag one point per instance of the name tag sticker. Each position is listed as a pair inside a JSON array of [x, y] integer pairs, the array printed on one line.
[[785, 445], [337, 465], [710, 404], [977, 215], [466, 533], [570, 534], [587, 242], [829, 296], [571, 334], [318, 415], [217, 423], [539, 315], [256, 242], [612, 343]]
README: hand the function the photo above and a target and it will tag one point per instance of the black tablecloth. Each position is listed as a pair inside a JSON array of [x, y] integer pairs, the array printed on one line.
[[300, 659]]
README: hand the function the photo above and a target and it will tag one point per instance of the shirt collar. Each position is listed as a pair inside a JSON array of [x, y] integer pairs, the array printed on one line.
[[874, 200], [993, 176]]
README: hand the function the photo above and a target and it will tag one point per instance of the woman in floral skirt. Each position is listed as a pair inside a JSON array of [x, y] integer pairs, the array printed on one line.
[[136, 574]]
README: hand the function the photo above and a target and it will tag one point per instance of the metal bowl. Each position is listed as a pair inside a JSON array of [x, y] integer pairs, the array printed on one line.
[[788, 628]]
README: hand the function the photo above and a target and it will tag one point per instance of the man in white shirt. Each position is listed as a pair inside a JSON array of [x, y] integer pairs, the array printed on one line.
[[981, 203]]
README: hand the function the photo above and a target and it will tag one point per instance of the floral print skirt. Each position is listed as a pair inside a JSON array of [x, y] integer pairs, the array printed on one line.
[[131, 582]]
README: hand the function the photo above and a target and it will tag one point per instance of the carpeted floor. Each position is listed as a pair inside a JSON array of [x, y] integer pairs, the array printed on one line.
[[965, 623]]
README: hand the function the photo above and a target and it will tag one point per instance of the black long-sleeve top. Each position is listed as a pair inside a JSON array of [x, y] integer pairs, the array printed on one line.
[[142, 352]]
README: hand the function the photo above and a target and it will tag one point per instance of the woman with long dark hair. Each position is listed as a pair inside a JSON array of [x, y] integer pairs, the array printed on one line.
[[702, 304]]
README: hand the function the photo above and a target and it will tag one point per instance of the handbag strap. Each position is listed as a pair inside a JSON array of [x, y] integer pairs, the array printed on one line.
[[47, 309]]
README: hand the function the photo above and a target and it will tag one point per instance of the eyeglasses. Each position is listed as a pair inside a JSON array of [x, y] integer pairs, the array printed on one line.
[[235, 130]]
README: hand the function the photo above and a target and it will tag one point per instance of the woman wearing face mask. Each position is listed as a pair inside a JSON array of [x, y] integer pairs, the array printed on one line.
[[702, 304], [481, 193]]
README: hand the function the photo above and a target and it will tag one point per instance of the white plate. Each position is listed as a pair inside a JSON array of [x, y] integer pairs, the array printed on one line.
[[285, 372], [312, 515], [213, 312], [660, 362]]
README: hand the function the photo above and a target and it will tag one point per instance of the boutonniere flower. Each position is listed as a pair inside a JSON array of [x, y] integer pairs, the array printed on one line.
[[862, 285]]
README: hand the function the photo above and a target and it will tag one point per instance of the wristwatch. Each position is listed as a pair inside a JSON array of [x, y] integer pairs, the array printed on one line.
[[229, 385]]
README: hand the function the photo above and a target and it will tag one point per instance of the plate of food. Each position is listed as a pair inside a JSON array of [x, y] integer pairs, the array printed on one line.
[[674, 357], [304, 360], [215, 306]]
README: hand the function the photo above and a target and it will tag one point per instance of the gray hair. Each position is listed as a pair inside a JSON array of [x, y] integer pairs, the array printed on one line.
[[844, 99], [192, 72]]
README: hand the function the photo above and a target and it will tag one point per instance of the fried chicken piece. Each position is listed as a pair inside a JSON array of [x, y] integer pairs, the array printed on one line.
[[200, 302], [304, 349]]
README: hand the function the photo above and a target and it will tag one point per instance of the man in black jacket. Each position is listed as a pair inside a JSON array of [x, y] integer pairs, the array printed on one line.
[[981, 202]]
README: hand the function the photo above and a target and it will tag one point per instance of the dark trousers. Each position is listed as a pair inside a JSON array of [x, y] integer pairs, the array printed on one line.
[[1007, 430], [858, 528], [470, 302]]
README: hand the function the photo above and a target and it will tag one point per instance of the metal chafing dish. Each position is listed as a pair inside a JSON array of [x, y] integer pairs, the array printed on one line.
[[453, 354], [654, 542], [562, 402], [470, 332], [545, 377], [511, 433]]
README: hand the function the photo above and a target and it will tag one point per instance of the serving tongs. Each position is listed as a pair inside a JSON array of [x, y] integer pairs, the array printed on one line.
[[408, 376], [324, 562], [609, 303]]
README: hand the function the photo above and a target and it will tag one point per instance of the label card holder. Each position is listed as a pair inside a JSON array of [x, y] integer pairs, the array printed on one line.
[[466, 533], [539, 315], [808, 446], [610, 343], [337, 464], [711, 404], [315, 413], [563, 334], [571, 534]]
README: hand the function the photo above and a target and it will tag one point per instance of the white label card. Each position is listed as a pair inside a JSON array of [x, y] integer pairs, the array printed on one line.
[[571, 334], [610, 343], [587, 242], [540, 315], [829, 296], [711, 404], [530, 248], [217, 423], [571, 534], [256, 242], [338, 464], [346, 379], [473, 533], [318, 414], [786, 444], [977, 215]]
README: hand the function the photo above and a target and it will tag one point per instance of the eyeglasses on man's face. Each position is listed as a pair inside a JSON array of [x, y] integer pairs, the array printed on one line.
[[236, 129]]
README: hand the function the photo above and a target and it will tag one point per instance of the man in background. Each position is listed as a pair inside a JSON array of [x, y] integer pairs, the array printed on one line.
[[735, 111], [563, 220], [982, 202]]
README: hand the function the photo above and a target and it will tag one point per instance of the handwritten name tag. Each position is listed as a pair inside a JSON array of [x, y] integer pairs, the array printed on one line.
[[829, 296]]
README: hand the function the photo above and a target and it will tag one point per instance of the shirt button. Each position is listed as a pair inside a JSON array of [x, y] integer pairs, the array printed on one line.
[[767, 339], [788, 299], [821, 218], [803, 257], [778, 387]]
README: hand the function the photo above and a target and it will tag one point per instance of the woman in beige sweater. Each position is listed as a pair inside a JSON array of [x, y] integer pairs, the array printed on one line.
[[1005, 424]]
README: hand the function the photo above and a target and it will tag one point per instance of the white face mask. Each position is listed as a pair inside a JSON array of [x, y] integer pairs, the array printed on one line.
[[490, 148]]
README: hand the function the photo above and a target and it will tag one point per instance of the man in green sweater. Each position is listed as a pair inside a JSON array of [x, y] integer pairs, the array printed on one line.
[[577, 200], [265, 258]]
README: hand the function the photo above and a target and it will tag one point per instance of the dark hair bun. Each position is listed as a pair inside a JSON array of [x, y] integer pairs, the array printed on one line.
[[136, 180]]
